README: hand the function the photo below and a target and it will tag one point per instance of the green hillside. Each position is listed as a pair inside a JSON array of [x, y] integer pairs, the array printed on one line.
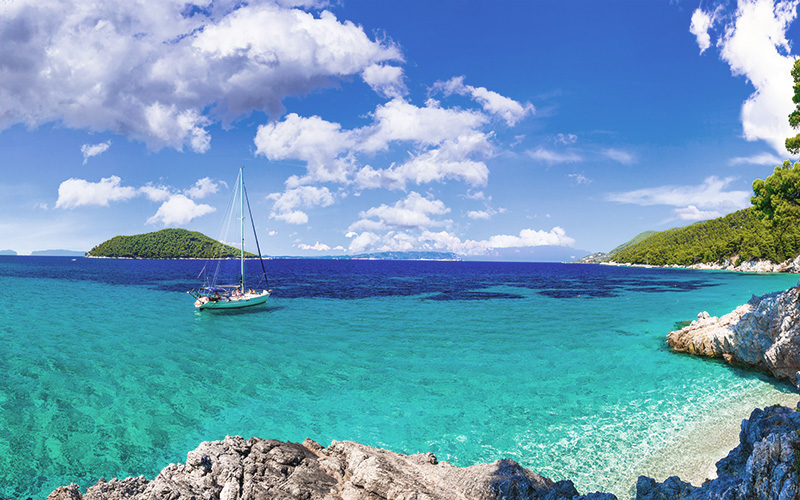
[[636, 239], [739, 235], [600, 257], [165, 244]]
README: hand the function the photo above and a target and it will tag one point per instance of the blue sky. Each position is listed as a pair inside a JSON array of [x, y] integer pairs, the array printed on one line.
[[363, 126]]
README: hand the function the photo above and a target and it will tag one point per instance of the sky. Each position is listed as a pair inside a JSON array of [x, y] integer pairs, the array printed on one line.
[[367, 125]]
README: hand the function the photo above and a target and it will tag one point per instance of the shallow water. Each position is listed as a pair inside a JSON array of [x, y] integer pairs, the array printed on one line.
[[109, 371]]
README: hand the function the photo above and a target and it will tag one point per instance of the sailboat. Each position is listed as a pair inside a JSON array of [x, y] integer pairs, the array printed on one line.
[[213, 296]]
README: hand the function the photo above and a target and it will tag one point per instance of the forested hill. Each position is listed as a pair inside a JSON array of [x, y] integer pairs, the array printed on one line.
[[165, 244], [739, 236]]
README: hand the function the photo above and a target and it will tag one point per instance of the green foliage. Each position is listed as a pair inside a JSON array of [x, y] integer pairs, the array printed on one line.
[[740, 234], [793, 143], [165, 244], [776, 200], [636, 239]]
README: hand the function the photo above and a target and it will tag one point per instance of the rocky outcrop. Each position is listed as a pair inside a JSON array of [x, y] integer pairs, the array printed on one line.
[[765, 465], [256, 469], [764, 333]]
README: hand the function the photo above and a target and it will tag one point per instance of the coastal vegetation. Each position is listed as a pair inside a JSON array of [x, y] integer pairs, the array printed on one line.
[[768, 230], [738, 236], [165, 244]]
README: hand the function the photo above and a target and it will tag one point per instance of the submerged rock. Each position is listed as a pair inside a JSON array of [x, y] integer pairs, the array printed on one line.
[[764, 333]]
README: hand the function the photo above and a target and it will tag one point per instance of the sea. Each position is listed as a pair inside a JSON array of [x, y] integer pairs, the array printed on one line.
[[107, 369]]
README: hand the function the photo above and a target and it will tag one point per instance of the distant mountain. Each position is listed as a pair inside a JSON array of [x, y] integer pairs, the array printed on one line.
[[58, 253], [8, 252], [545, 253], [165, 244]]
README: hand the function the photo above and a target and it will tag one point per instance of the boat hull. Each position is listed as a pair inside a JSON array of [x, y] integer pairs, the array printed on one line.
[[235, 303]]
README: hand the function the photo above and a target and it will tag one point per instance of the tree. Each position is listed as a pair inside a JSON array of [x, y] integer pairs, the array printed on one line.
[[793, 143], [776, 201]]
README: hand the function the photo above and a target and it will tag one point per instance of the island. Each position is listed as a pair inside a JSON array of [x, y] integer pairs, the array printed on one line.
[[165, 244]]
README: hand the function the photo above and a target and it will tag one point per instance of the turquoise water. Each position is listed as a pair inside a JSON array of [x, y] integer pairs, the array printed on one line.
[[565, 371]]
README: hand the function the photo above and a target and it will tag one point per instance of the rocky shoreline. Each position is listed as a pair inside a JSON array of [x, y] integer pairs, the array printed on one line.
[[763, 334], [750, 266], [762, 466]]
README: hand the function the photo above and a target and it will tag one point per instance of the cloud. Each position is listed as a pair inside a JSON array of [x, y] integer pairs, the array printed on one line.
[[287, 203], [565, 139], [711, 194], [445, 241], [90, 150], [548, 156], [318, 247], [78, 192], [701, 22], [156, 193], [693, 213], [508, 109], [531, 238], [413, 212], [579, 178], [179, 209], [385, 79], [767, 159], [313, 140], [162, 76], [446, 144], [753, 42], [618, 155], [202, 188], [176, 208], [479, 215]]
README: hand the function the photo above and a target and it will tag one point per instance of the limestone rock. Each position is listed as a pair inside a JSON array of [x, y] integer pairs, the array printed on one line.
[[258, 469], [764, 333]]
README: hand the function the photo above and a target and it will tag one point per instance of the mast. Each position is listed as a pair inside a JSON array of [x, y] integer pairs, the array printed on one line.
[[241, 220]]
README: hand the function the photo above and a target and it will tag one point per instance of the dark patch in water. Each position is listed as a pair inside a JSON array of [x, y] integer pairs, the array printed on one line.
[[355, 279], [468, 295], [681, 324]]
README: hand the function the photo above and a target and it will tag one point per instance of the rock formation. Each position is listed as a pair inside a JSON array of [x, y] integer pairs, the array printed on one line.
[[258, 469], [764, 333], [765, 465]]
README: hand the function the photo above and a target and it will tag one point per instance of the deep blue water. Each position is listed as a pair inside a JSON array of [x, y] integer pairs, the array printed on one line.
[[108, 370]]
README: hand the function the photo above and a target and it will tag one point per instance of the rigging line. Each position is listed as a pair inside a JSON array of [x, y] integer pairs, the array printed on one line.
[[223, 233], [255, 235]]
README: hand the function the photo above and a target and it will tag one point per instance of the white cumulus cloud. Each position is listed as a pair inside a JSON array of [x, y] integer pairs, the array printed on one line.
[[179, 209], [317, 247], [202, 188], [692, 213], [386, 80], [286, 204], [701, 22], [78, 192], [508, 109], [162, 76], [752, 41], [412, 212]]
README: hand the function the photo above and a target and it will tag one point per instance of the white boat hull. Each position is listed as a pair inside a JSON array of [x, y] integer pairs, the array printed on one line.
[[235, 303]]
